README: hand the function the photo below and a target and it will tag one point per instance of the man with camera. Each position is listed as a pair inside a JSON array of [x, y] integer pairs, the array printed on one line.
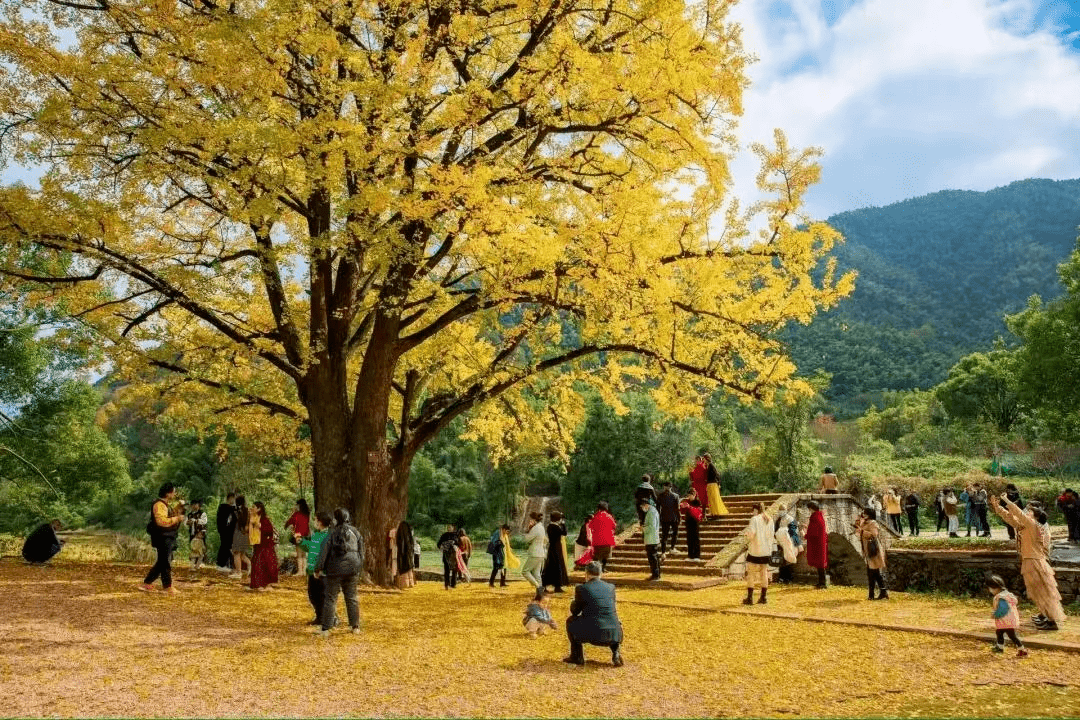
[[164, 523]]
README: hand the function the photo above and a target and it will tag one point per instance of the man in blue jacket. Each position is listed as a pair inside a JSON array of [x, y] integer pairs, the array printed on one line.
[[593, 618]]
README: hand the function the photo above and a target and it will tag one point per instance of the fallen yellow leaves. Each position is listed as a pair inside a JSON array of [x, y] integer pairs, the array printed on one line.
[[79, 640]]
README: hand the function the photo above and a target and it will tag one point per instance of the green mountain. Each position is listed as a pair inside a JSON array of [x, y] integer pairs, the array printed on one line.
[[936, 276]]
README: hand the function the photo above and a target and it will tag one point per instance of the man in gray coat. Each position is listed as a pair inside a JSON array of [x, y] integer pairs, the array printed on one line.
[[593, 618]]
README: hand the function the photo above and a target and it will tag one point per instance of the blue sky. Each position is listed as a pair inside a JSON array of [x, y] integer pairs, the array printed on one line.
[[907, 97]]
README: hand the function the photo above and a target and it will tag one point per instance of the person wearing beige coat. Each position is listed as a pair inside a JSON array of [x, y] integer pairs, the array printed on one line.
[[866, 528], [1033, 539]]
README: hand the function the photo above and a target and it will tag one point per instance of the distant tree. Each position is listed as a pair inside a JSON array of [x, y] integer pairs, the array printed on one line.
[[983, 386], [1048, 361]]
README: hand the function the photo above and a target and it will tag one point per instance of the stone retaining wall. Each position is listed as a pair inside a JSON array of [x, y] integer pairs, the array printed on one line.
[[964, 572]]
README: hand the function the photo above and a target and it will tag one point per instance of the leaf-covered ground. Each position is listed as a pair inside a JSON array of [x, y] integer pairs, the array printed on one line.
[[78, 639]]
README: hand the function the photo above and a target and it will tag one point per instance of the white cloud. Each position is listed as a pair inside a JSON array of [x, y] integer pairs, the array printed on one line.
[[911, 97]]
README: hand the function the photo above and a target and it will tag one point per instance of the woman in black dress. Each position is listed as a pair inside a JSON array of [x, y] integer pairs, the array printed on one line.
[[554, 572], [692, 515]]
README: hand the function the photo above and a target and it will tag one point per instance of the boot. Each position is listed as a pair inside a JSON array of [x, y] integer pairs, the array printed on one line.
[[761, 600], [883, 596], [502, 581], [749, 597]]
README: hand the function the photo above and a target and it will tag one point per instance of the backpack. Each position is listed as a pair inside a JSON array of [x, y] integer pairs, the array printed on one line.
[[344, 541]]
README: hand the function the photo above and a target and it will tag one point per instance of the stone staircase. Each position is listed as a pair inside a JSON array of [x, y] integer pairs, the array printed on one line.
[[716, 533]]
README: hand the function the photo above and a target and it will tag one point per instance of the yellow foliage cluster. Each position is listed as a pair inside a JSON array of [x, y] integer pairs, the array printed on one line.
[[81, 641], [405, 210]]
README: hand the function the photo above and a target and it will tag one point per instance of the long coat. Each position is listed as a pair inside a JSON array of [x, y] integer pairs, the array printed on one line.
[[593, 617], [869, 529], [554, 572], [817, 541]]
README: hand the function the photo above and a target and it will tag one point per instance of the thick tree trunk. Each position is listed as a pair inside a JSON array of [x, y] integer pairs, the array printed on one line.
[[353, 466]]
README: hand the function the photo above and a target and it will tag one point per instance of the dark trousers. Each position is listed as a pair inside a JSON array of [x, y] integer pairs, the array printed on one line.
[[316, 595], [665, 528], [576, 646], [942, 521], [897, 523], [821, 577], [875, 578], [601, 553], [913, 520], [980, 510], [449, 574], [653, 553], [497, 571], [224, 553], [693, 538], [162, 568], [786, 573], [347, 585], [1073, 520], [1012, 636]]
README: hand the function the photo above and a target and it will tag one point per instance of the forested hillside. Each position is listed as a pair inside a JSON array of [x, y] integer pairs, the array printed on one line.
[[936, 276]]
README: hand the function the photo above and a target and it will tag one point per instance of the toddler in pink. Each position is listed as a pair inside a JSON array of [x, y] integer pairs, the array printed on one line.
[[1006, 618]]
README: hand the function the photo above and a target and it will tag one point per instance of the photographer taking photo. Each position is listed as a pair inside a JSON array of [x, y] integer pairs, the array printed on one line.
[[163, 526]]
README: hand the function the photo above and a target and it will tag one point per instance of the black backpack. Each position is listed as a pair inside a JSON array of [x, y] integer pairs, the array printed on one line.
[[343, 541]]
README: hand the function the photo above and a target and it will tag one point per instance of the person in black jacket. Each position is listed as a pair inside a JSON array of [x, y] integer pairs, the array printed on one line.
[[645, 491], [593, 618], [911, 505], [668, 502], [1013, 495], [554, 572], [226, 523], [42, 544], [340, 561]]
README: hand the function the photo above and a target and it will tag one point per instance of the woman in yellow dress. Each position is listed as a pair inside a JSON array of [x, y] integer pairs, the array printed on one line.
[[712, 485]]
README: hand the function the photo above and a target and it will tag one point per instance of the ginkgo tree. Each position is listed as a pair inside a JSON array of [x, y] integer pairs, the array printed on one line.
[[365, 219]]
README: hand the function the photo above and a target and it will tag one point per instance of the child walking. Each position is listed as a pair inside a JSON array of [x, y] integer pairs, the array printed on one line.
[[537, 618], [1006, 618]]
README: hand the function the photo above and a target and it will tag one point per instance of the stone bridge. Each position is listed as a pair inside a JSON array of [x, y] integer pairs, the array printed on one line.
[[846, 565]]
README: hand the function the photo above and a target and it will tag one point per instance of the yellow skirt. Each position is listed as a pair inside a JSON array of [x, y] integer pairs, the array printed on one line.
[[716, 505]]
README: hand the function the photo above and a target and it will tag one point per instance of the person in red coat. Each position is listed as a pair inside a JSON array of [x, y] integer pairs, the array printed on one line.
[[817, 543], [264, 562], [602, 529], [698, 475]]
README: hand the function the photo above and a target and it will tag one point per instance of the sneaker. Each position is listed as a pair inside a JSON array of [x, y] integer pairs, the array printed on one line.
[[1038, 618], [171, 590], [998, 648], [322, 633], [616, 659], [1022, 653], [145, 588], [356, 630], [235, 576], [1049, 626]]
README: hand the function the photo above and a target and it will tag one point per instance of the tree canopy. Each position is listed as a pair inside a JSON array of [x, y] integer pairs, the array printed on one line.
[[371, 218]]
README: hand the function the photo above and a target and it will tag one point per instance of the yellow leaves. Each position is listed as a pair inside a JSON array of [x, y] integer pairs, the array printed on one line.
[[84, 635]]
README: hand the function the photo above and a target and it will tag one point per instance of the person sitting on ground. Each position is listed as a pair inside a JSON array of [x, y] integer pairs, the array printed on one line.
[[758, 554], [42, 544], [1006, 618], [593, 618], [537, 618], [1033, 538], [830, 484]]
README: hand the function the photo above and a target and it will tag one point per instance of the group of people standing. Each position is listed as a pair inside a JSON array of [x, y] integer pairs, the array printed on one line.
[[972, 500]]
